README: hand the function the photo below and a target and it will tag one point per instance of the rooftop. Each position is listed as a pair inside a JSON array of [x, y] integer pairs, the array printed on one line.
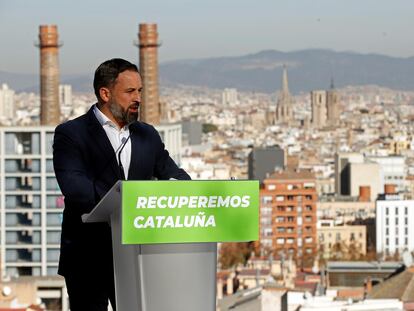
[[291, 175], [400, 286]]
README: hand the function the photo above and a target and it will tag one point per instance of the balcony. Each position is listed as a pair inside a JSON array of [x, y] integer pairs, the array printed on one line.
[[24, 237], [24, 255], [22, 143], [22, 166], [22, 202], [26, 183], [27, 219]]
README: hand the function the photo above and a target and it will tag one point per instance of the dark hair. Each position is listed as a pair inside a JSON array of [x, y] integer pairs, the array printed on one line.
[[108, 71]]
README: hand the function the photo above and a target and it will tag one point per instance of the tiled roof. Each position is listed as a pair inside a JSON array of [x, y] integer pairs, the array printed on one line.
[[291, 175], [400, 286]]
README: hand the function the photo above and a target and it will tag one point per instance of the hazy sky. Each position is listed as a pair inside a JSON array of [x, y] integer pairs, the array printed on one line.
[[95, 30]]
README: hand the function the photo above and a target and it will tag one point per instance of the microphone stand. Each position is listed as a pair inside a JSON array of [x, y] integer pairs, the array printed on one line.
[[121, 167]]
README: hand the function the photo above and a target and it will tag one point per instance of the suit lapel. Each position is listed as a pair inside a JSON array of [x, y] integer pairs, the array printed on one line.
[[100, 139]]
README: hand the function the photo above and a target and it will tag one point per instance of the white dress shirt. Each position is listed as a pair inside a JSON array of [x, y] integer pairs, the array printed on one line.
[[116, 136]]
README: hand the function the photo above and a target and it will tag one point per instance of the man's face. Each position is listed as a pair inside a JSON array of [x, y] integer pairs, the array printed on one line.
[[125, 97]]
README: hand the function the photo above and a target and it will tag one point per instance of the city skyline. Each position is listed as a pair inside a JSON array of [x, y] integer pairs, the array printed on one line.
[[188, 30]]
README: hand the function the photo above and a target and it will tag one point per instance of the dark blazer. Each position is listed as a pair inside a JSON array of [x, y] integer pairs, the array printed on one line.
[[86, 168]]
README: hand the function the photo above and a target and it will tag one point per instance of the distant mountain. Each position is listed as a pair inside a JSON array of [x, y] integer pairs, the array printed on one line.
[[18, 81], [307, 70], [30, 82], [262, 71]]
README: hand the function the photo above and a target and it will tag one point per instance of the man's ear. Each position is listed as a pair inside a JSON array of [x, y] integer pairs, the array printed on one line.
[[105, 94]]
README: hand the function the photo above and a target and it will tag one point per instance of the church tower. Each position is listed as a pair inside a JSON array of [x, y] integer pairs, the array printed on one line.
[[332, 105], [284, 113]]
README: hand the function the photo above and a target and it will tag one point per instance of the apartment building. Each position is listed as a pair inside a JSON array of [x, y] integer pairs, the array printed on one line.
[[31, 203], [288, 215]]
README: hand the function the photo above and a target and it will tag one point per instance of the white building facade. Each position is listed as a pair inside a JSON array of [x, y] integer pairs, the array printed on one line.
[[229, 97], [6, 102], [394, 225], [394, 170], [31, 203]]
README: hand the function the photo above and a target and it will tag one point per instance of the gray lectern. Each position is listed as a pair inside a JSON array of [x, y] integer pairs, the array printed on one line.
[[158, 277]]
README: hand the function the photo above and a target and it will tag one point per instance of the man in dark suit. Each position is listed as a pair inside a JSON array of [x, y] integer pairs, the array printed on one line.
[[90, 154]]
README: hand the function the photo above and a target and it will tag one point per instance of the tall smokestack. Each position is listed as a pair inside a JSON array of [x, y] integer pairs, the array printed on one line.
[[49, 75], [148, 65]]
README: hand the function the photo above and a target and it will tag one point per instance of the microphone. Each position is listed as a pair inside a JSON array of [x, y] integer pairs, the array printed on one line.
[[121, 167], [120, 148]]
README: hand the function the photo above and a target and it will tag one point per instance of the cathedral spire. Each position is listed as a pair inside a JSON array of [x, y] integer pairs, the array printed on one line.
[[284, 112]]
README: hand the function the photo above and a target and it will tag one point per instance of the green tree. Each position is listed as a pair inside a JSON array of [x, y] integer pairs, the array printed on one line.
[[208, 127], [232, 254]]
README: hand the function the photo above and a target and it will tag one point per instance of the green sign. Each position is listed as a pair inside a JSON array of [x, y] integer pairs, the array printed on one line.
[[189, 211]]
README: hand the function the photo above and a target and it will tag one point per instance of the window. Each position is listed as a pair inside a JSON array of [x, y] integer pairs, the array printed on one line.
[[54, 219], [338, 237], [321, 237], [309, 185], [268, 232], [51, 184], [52, 255], [266, 199], [265, 211], [49, 166], [271, 187]]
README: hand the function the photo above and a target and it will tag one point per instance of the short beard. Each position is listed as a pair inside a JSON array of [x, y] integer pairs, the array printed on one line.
[[120, 114]]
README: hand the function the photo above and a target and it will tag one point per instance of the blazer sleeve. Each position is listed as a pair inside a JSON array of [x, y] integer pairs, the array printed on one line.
[[165, 167], [71, 171]]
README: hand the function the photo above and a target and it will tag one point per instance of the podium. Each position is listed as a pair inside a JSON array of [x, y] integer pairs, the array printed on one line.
[[164, 239], [157, 277]]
